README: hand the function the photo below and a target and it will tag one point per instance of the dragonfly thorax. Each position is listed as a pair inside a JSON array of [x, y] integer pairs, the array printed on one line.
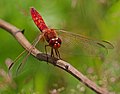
[[55, 43]]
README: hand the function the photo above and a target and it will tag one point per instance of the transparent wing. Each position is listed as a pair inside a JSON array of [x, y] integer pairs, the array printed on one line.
[[41, 44], [76, 44]]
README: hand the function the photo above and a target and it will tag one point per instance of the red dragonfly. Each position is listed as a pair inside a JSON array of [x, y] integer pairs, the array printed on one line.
[[60, 39], [66, 42]]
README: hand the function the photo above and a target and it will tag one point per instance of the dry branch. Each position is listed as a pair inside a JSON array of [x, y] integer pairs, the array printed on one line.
[[59, 63]]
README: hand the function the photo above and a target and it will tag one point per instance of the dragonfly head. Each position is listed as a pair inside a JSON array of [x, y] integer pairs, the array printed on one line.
[[55, 43]]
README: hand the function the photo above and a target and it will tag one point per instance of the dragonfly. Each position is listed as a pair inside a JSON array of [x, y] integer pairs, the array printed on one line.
[[61, 41]]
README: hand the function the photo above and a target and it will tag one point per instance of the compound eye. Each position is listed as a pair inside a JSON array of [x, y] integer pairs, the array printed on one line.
[[55, 43], [59, 40]]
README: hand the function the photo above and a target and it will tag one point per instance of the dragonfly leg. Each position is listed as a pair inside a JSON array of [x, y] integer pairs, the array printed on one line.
[[57, 54], [46, 51], [52, 53]]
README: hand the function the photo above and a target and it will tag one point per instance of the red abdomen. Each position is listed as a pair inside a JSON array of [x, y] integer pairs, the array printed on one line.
[[38, 19]]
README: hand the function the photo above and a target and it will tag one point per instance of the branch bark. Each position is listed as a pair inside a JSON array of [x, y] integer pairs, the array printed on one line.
[[16, 32]]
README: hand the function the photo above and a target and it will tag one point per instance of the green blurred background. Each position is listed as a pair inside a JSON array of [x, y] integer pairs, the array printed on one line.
[[93, 18]]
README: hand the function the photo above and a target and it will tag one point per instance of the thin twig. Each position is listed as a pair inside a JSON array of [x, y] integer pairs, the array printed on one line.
[[59, 63]]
